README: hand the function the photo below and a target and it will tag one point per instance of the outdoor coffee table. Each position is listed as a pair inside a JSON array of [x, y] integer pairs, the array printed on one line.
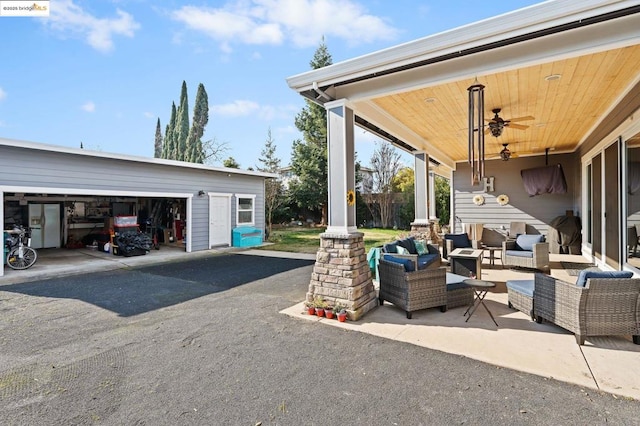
[[480, 289]]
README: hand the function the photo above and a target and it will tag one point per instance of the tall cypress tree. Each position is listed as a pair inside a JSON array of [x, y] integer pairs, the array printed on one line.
[[169, 148], [200, 120], [181, 131], [157, 147], [309, 157]]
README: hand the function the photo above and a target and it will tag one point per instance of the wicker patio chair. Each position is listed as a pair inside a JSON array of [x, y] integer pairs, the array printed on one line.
[[604, 307], [536, 258], [412, 291]]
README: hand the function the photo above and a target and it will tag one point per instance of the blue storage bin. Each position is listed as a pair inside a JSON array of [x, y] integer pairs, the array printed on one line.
[[246, 236]]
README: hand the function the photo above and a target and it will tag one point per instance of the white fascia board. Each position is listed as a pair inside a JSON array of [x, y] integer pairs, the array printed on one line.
[[372, 113], [93, 191], [138, 159], [502, 27]]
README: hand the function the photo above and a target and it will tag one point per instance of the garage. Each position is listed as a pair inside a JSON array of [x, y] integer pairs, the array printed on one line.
[[75, 198]]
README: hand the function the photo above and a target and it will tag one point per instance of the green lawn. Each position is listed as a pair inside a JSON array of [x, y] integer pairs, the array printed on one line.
[[307, 240]]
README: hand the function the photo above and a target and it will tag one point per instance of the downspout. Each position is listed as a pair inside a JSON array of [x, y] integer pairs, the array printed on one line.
[[321, 92]]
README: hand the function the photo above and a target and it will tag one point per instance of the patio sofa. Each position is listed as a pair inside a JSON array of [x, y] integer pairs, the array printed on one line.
[[427, 257], [600, 303], [413, 290], [526, 251]]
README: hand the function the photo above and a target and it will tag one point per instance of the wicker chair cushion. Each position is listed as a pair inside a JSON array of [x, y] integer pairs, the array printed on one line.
[[407, 263], [585, 274], [519, 253], [526, 242], [458, 240], [521, 286], [455, 281], [426, 259]]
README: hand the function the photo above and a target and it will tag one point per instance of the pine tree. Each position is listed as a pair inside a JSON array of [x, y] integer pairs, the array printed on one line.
[[309, 157], [200, 120], [181, 131], [169, 148], [157, 148]]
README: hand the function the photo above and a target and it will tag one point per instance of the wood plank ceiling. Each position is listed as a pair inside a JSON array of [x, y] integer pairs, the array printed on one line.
[[563, 109]]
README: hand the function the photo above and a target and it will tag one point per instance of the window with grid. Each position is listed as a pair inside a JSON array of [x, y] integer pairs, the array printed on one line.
[[245, 209]]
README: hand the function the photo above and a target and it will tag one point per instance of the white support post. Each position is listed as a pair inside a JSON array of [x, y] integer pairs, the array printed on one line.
[[342, 177], [422, 186]]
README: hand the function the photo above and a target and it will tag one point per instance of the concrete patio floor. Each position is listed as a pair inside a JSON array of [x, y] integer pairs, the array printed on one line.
[[608, 364]]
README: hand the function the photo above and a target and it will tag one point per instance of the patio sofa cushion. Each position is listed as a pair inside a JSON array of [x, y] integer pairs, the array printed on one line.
[[524, 287], [409, 244], [526, 241], [407, 263], [586, 274], [427, 259], [519, 253], [455, 281], [421, 248], [458, 240], [390, 247]]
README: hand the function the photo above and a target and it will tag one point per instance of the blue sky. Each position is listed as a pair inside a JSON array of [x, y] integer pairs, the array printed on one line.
[[102, 72]]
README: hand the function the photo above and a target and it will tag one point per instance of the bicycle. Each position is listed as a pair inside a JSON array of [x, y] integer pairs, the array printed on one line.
[[20, 255]]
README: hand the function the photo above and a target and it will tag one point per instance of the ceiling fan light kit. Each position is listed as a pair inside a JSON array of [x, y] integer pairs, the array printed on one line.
[[505, 154]]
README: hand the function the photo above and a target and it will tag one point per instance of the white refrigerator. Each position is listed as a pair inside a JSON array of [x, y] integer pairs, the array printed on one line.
[[44, 221]]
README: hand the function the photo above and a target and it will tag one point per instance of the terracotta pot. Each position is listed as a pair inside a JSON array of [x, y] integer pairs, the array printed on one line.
[[328, 313], [311, 310], [320, 312], [342, 317]]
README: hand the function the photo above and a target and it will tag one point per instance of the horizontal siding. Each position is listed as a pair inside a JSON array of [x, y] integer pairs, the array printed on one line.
[[537, 212], [70, 171]]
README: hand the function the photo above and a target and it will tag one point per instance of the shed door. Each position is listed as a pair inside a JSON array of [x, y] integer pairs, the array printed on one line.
[[219, 220]]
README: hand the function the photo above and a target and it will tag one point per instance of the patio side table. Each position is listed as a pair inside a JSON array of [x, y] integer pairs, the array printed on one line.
[[466, 262], [480, 289]]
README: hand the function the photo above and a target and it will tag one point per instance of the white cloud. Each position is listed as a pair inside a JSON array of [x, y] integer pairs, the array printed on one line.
[[3, 94], [148, 114], [89, 107], [303, 22], [68, 18], [243, 108], [238, 108]]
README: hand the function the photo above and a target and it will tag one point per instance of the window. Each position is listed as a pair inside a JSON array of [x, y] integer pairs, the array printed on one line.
[[245, 209]]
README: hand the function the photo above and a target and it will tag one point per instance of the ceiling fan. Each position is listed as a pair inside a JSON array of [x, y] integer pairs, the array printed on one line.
[[497, 124]]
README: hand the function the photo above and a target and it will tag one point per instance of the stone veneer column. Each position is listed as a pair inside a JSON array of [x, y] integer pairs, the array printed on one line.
[[341, 274]]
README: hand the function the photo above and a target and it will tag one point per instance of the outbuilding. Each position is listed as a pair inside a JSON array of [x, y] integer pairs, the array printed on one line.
[[72, 197]]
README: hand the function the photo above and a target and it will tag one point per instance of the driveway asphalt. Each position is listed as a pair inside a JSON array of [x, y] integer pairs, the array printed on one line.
[[202, 342]]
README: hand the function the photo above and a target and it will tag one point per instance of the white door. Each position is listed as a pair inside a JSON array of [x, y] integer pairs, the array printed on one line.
[[219, 220]]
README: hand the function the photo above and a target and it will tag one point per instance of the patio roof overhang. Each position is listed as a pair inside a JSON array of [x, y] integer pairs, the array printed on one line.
[[415, 94]]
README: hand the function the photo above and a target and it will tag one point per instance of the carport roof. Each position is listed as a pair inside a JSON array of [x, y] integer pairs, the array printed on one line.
[[138, 159], [415, 94]]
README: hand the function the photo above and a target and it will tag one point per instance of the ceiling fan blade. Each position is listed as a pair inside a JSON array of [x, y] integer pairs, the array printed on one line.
[[517, 126], [528, 117]]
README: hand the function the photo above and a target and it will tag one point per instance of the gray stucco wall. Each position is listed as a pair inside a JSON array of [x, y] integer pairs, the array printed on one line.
[[21, 166], [536, 211]]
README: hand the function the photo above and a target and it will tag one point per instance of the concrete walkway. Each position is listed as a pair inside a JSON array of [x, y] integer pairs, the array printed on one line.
[[609, 364]]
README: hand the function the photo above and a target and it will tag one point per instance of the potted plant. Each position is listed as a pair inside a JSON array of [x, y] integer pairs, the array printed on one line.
[[319, 304], [311, 309], [328, 312], [340, 312]]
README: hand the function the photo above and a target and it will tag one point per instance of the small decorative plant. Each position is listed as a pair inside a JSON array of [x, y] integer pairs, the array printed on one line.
[[311, 309], [319, 304], [340, 312], [328, 311]]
